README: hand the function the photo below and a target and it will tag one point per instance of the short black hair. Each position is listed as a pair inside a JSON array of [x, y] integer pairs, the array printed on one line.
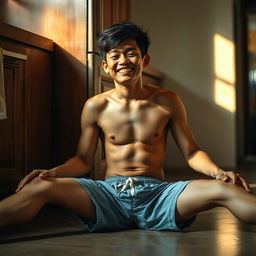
[[120, 32]]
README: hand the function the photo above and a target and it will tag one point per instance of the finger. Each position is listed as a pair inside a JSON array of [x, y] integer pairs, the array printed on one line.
[[27, 179], [22, 184], [226, 179], [233, 177], [245, 185], [45, 174], [222, 176]]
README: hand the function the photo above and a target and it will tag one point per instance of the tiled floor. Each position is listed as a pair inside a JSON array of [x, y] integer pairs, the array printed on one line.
[[215, 232]]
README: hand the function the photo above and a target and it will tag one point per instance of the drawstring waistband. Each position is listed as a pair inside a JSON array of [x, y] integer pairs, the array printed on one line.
[[122, 183], [129, 183]]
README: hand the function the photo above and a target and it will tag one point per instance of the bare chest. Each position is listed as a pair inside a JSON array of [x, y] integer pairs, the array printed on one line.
[[139, 122]]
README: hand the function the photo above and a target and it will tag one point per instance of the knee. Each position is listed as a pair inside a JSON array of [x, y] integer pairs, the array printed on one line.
[[221, 190], [39, 187]]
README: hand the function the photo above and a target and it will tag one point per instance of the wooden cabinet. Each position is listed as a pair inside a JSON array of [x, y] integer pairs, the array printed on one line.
[[12, 128], [25, 136]]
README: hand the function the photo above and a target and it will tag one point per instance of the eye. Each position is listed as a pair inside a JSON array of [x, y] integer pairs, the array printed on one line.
[[131, 54], [114, 57]]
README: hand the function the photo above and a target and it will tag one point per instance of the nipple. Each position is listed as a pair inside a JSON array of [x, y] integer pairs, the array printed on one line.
[[112, 137], [156, 134]]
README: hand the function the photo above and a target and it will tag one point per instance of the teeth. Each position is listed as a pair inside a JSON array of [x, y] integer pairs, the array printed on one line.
[[123, 70]]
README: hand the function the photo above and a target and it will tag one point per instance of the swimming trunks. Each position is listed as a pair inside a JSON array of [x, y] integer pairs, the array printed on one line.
[[134, 202]]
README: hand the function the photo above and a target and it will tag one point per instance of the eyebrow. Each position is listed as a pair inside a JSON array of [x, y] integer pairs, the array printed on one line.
[[125, 50]]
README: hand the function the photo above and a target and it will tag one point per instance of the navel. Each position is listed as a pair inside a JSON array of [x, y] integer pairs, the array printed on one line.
[[112, 137]]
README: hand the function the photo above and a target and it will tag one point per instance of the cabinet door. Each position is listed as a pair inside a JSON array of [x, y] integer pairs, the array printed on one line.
[[12, 128]]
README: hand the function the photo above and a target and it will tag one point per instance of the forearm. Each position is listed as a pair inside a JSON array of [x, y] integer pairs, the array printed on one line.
[[202, 163], [74, 167]]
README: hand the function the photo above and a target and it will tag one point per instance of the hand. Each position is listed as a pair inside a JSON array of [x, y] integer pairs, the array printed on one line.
[[235, 178], [36, 173]]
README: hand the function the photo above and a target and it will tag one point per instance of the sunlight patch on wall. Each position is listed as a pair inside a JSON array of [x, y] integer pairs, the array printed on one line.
[[224, 67], [224, 95]]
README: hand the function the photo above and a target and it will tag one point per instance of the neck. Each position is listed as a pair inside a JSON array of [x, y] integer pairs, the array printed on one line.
[[133, 91]]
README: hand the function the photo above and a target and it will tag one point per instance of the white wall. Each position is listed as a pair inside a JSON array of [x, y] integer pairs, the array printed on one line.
[[182, 34]]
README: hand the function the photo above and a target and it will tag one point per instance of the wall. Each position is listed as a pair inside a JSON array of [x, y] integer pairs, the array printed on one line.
[[63, 21], [187, 31]]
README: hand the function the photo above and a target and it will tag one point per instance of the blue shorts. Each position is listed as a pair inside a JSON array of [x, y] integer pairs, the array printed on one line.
[[134, 202]]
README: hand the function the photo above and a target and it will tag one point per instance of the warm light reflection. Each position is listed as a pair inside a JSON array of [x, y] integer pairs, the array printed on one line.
[[63, 21], [224, 95], [67, 31], [228, 237], [224, 65]]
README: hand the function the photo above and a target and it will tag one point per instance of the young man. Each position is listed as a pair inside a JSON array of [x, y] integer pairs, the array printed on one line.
[[135, 120]]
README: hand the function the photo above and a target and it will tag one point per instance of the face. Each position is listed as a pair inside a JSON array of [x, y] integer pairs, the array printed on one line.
[[125, 63]]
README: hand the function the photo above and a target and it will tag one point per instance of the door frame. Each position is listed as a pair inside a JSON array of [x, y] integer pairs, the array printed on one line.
[[240, 29]]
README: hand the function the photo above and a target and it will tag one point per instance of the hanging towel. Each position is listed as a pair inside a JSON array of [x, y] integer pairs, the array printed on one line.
[[3, 114]]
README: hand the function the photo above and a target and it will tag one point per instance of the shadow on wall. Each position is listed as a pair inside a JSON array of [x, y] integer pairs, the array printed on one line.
[[201, 117], [69, 96]]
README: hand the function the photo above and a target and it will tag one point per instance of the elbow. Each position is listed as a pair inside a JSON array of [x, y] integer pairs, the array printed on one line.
[[192, 153], [85, 164]]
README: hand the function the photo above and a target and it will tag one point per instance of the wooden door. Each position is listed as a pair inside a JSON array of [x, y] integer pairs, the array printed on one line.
[[12, 128]]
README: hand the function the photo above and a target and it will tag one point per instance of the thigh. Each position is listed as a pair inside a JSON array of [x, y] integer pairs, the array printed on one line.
[[198, 196], [68, 193]]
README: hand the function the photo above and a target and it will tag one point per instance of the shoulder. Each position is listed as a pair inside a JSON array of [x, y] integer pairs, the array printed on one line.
[[166, 97], [93, 107], [97, 103]]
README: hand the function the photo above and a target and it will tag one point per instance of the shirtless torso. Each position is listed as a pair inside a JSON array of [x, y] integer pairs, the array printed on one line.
[[134, 132], [134, 135]]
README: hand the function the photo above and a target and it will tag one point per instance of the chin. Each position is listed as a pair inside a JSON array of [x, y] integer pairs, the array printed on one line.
[[125, 82]]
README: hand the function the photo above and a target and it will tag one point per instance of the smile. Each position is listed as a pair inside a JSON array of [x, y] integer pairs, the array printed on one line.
[[124, 70]]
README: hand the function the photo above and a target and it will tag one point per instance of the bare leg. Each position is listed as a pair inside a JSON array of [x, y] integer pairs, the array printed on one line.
[[203, 195], [25, 204]]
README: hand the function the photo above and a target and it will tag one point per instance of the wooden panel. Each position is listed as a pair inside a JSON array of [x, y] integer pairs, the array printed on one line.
[[26, 140], [12, 128], [121, 10], [37, 104], [115, 11], [107, 16], [38, 109], [26, 37]]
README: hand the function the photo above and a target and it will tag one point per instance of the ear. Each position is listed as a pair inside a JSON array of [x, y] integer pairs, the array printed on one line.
[[105, 66], [146, 60]]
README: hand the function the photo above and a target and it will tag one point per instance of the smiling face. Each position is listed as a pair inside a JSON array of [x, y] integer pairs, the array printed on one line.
[[125, 63]]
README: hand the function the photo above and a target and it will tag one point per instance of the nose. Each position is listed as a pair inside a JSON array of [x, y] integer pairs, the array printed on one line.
[[123, 59]]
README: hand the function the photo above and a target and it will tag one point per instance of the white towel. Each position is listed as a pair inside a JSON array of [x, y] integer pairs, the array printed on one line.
[[3, 114]]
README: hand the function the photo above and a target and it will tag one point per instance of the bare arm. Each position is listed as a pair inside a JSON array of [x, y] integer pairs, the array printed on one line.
[[196, 158], [82, 162], [180, 129]]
